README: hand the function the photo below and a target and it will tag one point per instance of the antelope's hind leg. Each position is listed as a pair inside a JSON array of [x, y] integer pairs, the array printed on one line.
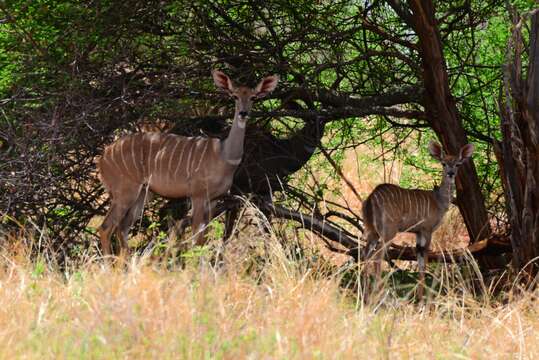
[[422, 247], [121, 203], [376, 249], [107, 228], [372, 239], [134, 212]]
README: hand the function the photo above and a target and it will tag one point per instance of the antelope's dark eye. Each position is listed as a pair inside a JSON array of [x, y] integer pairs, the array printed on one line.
[[234, 97], [253, 98]]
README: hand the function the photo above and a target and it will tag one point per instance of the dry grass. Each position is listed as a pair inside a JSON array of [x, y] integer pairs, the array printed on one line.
[[283, 309]]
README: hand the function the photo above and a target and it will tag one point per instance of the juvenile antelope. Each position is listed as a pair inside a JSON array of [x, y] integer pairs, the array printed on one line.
[[390, 209], [175, 166]]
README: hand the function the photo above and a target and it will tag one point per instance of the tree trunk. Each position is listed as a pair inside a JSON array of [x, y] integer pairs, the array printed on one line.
[[520, 147], [443, 116]]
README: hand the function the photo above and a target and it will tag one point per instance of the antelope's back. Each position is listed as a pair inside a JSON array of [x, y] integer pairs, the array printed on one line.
[[184, 166], [171, 164], [126, 159]]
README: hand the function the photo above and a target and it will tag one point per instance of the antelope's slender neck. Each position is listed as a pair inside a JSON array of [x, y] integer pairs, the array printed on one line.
[[233, 144], [444, 192]]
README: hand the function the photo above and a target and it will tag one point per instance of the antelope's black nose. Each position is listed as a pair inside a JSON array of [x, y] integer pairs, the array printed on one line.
[[451, 174], [243, 114]]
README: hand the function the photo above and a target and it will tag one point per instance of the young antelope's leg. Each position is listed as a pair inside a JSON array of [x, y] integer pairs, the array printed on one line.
[[379, 256], [386, 236], [422, 246], [371, 238]]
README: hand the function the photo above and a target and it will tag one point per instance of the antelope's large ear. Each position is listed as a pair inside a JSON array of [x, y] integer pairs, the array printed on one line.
[[466, 152], [436, 150], [266, 85], [222, 81]]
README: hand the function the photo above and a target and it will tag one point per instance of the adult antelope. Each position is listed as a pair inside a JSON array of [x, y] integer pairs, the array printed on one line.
[[390, 209], [175, 166]]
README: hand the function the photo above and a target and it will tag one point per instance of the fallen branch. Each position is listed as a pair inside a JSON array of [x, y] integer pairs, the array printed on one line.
[[315, 224], [331, 232], [494, 245]]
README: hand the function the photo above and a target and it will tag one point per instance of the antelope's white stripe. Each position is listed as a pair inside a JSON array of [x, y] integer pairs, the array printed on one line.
[[150, 157], [122, 142], [202, 156], [170, 177], [183, 143], [189, 157], [142, 160], [114, 156], [133, 156]]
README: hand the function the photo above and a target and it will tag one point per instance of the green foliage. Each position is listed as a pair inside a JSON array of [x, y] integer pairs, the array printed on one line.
[[194, 256], [39, 268]]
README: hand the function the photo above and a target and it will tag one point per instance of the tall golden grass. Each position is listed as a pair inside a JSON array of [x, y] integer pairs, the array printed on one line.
[[280, 309]]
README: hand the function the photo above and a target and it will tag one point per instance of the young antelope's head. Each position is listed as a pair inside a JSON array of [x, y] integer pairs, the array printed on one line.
[[450, 163], [244, 96]]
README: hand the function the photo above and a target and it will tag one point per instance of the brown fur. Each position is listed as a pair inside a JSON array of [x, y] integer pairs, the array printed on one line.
[[411, 210], [171, 165]]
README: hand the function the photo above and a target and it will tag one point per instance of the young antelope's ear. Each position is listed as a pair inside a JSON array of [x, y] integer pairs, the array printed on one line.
[[436, 150], [266, 85], [466, 151], [222, 81]]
